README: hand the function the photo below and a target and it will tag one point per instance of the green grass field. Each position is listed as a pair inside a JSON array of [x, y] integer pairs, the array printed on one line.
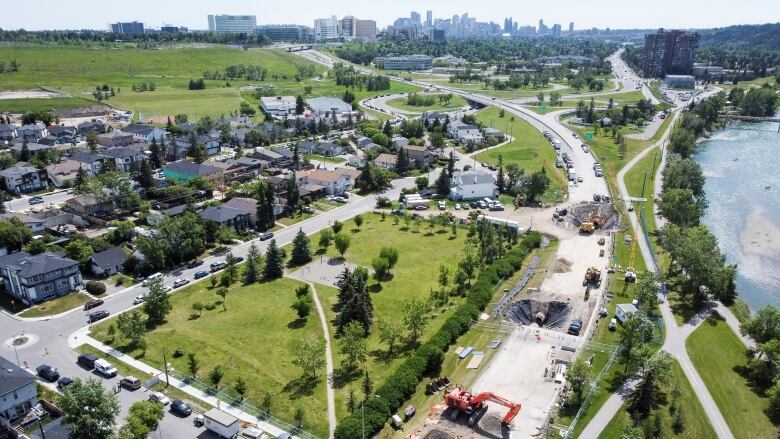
[[455, 103], [696, 425], [530, 150], [57, 306], [718, 355], [252, 339], [24, 105]]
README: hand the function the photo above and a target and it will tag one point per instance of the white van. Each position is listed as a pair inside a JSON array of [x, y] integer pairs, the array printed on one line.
[[105, 368], [149, 280]]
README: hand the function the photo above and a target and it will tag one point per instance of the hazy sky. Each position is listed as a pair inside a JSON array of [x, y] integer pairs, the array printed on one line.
[[617, 14]]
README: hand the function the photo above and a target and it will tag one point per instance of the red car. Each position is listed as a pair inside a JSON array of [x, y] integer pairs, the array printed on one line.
[[92, 304]]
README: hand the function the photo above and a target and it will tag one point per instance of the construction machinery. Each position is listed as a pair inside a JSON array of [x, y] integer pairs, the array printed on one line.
[[587, 227], [474, 405], [630, 275], [592, 277]]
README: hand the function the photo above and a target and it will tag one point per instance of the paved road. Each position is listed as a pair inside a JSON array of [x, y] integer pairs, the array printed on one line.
[[50, 199]]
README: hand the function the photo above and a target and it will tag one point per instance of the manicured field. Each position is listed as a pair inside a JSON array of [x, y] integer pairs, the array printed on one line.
[[696, 424], [57, 306], [252, 339], [48, 104], [529, 150], [455, 103], [718, 355]]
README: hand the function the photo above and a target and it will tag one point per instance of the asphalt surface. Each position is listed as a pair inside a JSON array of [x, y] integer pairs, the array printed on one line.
[[49, 199]]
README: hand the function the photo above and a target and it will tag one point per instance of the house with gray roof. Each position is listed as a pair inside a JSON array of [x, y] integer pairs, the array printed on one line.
[[226, 216], [108, 262], [145, 133], [23, 178], [8, 132], [126, 158], [211, 141], [35, 278], [248, 205], [472, 185], [89, 161], [93, 126], [18, 393], [116, 138], [32, 132]]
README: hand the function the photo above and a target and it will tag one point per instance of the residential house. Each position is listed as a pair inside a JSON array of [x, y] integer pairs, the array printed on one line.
[[188, 127], [279, 184], [108, 262], [472, 185], [624, 310], [327, 149], [185, 171], [63, 174], [211, 141], [89, 205], [18, 393], [35, 278], [274, 158], [274, 132], [33, 147], [64, 134], [248, 167], [307, 147], [372, 147], [226, 216], [357, 161], [386, 161], [177, 149], [399, 141], [430, 117], [247, 205], [32, 132], [116, 138], [91, 163], [8, 132], [494, 133], [23, 177], [421, 156], [334, 182], [145, 133], [278, 107], [362, 142], [36, 225], [126, 158], [94, 126]]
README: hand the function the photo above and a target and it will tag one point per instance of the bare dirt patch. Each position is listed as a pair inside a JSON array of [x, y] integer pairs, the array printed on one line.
[[30, 94]]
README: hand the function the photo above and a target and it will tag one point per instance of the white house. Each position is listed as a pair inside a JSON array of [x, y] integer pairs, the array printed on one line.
[[279, 107], [463, 132], [210, 141], [8, 132], [472, 185], [334, 182], [18, 394], [33, 132], [145, 133], [623, 310]]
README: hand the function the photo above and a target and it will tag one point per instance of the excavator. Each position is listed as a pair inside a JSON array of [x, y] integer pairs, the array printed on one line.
[[474, 405]]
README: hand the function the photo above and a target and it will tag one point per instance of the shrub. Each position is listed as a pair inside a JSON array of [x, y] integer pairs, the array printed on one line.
[[95, 288]]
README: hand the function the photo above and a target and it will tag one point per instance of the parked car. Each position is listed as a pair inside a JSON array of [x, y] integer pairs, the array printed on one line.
[[442, 205], [87, 361], [92, 304], [216, 266], [48, 373], [612, 324], [130, 383], [580, 179], [575, 327], [307, 209], [180, 408], [64, 382], [340, 199], [139, 299], [152, 278], [266, 236], [180, 282], [35, 200], [98, 315], [159, 398], [105, 368], [421, 207], [238, 259], [195, 263], [201, 274], [457, 206]]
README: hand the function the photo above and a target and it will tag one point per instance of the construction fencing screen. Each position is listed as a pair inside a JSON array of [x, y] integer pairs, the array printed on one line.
[[242, 405], [509, 296]]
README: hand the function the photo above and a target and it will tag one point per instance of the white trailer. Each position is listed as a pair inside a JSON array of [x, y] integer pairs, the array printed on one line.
[[221, 423], [501, 222]]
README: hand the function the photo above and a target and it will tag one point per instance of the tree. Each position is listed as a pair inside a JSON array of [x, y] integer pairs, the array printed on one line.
[[223, 292], [764, 325], [540, 98], [646, 293], [680, 173], [352, 345], [251, 270], [301, 251], [682, 142], [92, 141], [421, 182], [309, 355], [368, 386], [444, 276], [293, 195], [391, 254], [192, 364], [354, 300], [389, 332], [132, 326], [89, 410], [381, 268], [145, 176], [342, 242], [215, 376], [648, 395], [14, 234], [79, 250], [500, 177], [633, 336], [358, 221], [680, 207], [300, 105], [537, 184], [326, 236], [240, 387], [443, 183], [302, 305], [578, 374], [351, 401], [274, 262], [232, 268], [143, 418], [416, 314], [157, 304]]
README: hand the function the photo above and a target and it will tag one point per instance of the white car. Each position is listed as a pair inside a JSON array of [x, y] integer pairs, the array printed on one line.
[[167, 288], [457, 206], [160, 398], [579, 179], [180, 282], [139, 299]]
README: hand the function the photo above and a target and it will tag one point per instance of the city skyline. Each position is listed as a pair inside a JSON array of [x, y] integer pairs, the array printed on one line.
[[193, 14]]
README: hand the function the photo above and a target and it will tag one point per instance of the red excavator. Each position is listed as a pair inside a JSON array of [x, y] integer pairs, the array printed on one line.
[[474, 405]]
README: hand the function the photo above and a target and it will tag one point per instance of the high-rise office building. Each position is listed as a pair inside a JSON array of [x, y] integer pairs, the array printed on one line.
[[348, 26], [669, 52], [414, 17], [127, 28], [429, 18], [232, 24], [508, 25], [542, 29], [571, 27], [326, 28], [365, 29], [285, 32], [556, 30]]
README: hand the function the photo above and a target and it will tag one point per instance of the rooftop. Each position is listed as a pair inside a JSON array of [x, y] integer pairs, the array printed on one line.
[[13, 377], [221, 214], [27, 265]]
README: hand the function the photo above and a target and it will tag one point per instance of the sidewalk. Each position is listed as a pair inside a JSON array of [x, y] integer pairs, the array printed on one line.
[[81, 337]]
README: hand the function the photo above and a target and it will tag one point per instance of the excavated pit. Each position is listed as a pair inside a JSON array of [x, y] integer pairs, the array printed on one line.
[[610, 219], [552, 314]]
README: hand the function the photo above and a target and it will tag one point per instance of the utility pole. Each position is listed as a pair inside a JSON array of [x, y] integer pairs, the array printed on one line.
[[643, 185], [165, 366], [654, 156]]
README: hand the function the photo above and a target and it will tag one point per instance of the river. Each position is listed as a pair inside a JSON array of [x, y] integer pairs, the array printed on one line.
[[742, 166]]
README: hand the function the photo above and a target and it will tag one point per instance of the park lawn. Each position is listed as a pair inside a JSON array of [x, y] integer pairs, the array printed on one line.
[[696, 424], [319, 157], [529, 150], [718, 355], [455, 103], [294, 219], [627, 97], [57, 306], [254, 339], [215, 100], [414, 276], [43, 104], [758, 82]]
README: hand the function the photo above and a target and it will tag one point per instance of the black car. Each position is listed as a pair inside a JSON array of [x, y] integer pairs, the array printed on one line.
[[64, 382], [48, 373], [195, 263], [87, 360], [180, 408], [200, 274], [266, 236], [97, 315], [238, 259]]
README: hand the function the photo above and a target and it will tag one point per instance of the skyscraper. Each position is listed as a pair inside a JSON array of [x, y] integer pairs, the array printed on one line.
[[429, 18], [571, 27], [415, 19], [556, 30], [508, 27], [326, 28], [669, 52], [232, 23], [348, 26]]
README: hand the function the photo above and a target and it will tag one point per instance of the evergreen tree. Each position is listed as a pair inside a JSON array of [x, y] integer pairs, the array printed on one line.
[[356, 305], [300, 105], [293, 195], [295, 160], [443, 183], [402, 162], [500, 178], [155, 157], [145, 176], [24, 154], [388, 129], [274, 262], [301, 251], [251, 274], [81, 178]]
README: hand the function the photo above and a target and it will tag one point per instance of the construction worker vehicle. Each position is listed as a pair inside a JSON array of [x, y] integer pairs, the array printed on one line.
[[592, 277], [630, 275], [474, 405]]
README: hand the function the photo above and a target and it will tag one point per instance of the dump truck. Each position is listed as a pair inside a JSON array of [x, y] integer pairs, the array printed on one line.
[[592, 277]]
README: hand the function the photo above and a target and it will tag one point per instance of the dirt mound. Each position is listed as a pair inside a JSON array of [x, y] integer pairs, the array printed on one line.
[[561, 265], [439, 434], [491, 423]]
